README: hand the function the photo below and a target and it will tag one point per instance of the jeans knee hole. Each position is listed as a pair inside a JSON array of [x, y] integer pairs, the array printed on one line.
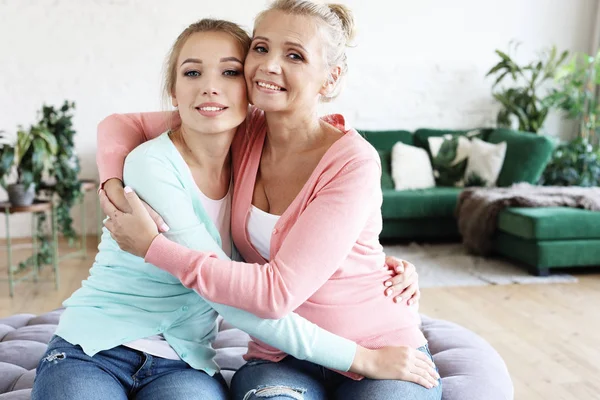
[[273, 391], [55, 357]]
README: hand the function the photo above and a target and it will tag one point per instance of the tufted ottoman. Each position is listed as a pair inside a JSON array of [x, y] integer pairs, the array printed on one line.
[[470, 368]]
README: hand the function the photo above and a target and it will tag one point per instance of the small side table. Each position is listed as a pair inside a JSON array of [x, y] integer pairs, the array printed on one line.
[[36, 207]]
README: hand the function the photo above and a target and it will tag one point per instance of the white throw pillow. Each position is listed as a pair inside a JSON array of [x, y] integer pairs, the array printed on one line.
[[411, 167], [485, 162]]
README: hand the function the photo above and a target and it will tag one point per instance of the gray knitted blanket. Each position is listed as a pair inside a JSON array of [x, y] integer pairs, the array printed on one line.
[[478, 208]]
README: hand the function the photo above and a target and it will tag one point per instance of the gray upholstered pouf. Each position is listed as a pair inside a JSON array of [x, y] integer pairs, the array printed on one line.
[[470, 368]]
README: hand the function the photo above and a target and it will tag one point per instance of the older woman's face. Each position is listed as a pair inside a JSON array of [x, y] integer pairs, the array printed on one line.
[[285, 69]]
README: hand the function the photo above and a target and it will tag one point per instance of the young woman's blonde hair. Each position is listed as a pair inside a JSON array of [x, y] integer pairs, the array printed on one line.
[[337, 24]]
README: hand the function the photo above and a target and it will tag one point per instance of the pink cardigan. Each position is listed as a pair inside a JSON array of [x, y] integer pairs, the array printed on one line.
[[326, 260]]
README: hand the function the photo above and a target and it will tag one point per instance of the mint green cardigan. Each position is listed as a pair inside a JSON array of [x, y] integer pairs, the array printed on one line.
[[125, 298]]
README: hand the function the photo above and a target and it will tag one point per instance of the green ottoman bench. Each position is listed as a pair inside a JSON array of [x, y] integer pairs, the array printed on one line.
[[549, 237]]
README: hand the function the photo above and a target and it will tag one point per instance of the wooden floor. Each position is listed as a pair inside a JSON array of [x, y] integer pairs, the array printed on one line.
[[549, 335]]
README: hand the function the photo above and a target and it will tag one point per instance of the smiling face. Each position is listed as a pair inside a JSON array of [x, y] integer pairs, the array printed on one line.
[[286, 69], [209, 90]]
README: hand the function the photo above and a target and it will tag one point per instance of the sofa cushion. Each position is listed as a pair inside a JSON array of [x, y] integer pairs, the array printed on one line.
[[421, 136], [421, 203], [385, 140], [527, 155], [548, 253], [550, 223], [450, 155], [411, 168], [484, 163], [420, 229]]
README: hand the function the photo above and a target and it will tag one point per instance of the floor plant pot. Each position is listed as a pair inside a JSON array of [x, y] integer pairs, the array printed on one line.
[[19, 195]]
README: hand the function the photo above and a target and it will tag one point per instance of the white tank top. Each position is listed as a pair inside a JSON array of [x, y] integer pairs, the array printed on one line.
[[219, 211], [260, 228]]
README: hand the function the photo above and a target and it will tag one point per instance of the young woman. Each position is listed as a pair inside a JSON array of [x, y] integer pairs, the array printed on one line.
[[133, 330], [306, 198]]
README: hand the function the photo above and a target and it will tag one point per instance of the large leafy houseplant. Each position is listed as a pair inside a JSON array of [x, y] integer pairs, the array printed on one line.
[[64, 172], [526, 100], [576, 163], [577, 94]]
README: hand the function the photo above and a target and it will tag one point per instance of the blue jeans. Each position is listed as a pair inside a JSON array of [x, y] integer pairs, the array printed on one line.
[[302, 380], [67, 373]]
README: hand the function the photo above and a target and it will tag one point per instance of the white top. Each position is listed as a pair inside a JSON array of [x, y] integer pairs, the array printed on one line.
[[155, 345], [219, 212], [260, 228]]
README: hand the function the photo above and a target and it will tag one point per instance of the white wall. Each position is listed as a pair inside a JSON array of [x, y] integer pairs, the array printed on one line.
[[416, 63]]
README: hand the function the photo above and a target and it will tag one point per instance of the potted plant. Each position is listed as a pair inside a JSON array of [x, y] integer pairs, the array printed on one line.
[[63, 175], [576, 94], [59, 176], [575, 163], [25, 159], [526, 101]]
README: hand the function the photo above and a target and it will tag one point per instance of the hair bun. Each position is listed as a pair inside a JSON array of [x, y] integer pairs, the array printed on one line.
[[347, 18]]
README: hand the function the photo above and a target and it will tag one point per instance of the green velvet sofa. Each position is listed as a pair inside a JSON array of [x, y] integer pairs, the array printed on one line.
[[542, 238]]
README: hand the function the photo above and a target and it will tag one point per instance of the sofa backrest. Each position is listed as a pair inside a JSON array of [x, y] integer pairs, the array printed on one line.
[[527, 155], [421, 136], [385, 140]]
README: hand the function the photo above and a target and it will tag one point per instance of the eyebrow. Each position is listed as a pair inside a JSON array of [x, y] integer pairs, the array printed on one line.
[[224, 59], [288, 42]]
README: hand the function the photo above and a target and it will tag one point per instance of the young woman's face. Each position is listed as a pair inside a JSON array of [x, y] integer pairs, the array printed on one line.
[[210, 90], [285, 69]]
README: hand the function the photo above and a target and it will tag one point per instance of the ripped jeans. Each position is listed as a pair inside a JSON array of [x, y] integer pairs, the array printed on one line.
[[293, 379], [65, 372]]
